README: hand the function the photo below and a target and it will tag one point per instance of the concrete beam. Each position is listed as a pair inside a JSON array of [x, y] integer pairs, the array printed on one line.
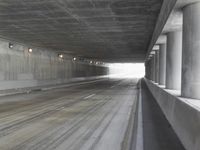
[[165, 11]]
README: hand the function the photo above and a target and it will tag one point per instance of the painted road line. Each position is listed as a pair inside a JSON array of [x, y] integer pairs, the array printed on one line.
[[89, 96]]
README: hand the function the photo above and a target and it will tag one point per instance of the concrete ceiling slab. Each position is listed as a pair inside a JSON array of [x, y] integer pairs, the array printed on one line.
[[170, 19], [166, 9], [108, 30], [162, 39], [175, 20], [181, 3]]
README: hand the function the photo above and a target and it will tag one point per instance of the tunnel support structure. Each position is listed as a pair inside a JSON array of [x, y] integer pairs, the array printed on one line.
[[191, 51], [162, 64], [154, 68], [157, 66], [151, 68], [173, 59]]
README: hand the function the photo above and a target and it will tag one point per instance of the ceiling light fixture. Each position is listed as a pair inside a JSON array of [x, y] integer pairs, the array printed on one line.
[[30, 50], [10, 45], [60, 55]]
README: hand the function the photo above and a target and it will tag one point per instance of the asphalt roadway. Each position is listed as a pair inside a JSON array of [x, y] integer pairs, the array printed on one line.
[[92, 116]]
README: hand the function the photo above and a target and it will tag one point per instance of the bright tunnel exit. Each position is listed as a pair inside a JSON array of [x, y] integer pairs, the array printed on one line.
[[126, 70]]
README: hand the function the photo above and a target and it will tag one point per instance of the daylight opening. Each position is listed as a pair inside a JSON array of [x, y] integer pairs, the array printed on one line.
[[126, 70]]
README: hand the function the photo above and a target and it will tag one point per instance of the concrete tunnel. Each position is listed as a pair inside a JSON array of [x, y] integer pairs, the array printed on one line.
[[56, 89]]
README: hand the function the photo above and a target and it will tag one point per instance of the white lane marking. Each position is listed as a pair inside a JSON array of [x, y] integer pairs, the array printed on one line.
[[112, 86], [89, 96]]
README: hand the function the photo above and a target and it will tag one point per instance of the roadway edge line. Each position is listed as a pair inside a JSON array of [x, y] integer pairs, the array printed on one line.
[[139, 136]]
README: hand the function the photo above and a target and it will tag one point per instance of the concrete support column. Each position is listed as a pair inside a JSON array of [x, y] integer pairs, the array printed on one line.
[[151, 68], [173, 59], [157, 66], [154, 68], [147, 69], [162, 64], [191, 51]]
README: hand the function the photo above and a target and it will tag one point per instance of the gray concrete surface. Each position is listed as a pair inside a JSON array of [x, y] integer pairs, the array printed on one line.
[[191, 53], [170, 19], [157, 132], [148, 68], [173, 60], [154, 67], [162, 66], [166, 9], [157, 65], [75, 81], [183, 114], [87, 117], [113, 31], [19, 68]]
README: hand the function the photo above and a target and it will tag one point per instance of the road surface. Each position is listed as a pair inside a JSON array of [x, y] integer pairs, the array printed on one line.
[[92, 116]]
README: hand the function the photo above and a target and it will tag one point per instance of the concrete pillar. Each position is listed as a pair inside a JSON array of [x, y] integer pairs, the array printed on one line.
[[147, 71], [173, 60], [162, 64], [154, 67], [191, 51], [151, 68], [157, 66]]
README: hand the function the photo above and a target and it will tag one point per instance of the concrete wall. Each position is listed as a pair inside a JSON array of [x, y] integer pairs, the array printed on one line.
[[183, 114], [19, 68]]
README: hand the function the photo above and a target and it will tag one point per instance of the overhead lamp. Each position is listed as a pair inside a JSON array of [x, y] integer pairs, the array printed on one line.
[[90, 62], [74, 58], [10, 45], [30, 50], [60, 55]]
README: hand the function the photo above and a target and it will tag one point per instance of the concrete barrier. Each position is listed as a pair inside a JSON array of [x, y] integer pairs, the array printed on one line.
[[183, 114]]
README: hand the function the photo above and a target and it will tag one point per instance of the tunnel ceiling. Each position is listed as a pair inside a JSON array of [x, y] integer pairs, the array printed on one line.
[[108, 30]]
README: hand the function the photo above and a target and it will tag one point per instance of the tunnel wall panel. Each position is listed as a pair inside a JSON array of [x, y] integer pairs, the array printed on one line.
[[19, 68]]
